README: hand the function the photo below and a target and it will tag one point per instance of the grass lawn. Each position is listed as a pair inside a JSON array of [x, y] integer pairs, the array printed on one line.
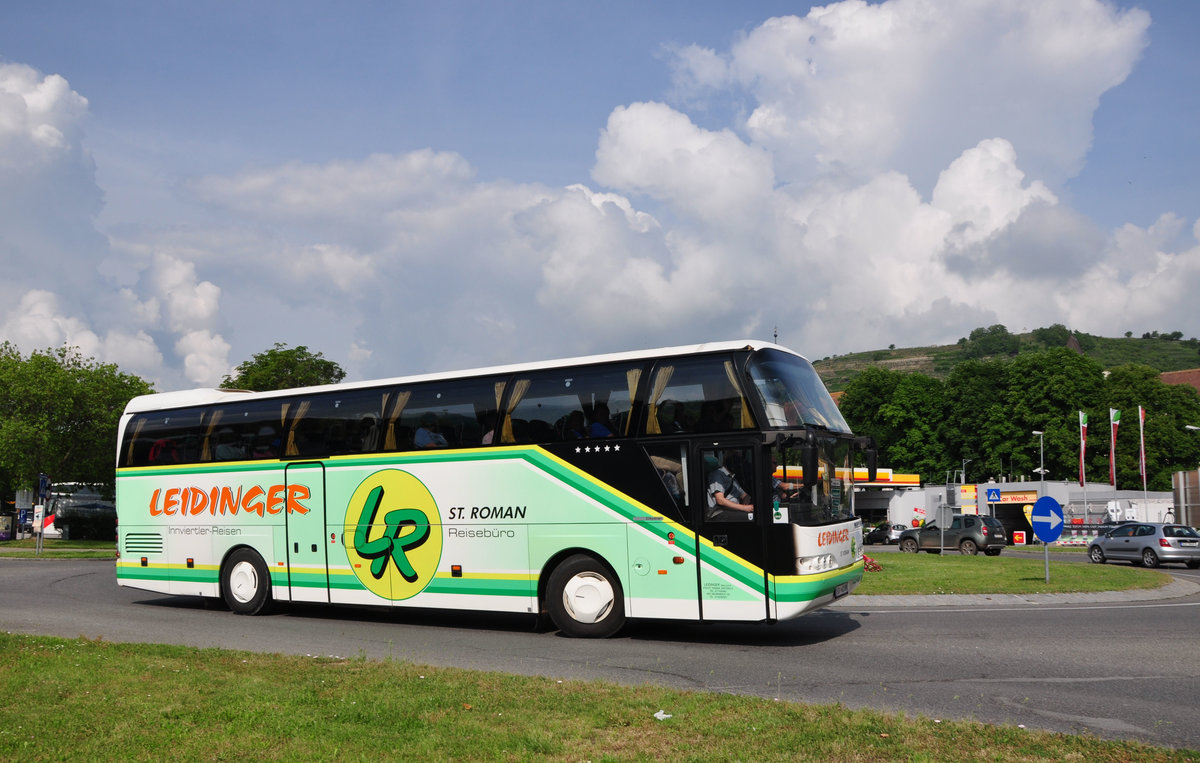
[[955, 573], [93, 700], [59, 549]]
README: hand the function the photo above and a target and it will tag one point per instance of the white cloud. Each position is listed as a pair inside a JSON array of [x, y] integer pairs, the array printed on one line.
[[713, 177], [895, 177], [40, 117], [37, 323], [205, 357], [909, 84], [189, 303]]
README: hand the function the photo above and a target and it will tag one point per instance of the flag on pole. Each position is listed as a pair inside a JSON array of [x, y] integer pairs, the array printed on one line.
[[1142, 445], [1082, 447], [1114, 420]]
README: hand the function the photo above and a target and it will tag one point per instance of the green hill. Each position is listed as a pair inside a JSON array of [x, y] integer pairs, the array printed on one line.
[[1167, 352]]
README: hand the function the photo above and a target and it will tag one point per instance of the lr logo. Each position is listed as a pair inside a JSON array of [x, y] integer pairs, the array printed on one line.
[[395, 534]]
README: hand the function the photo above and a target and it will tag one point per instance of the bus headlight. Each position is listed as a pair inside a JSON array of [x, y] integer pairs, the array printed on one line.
[[806, 565]]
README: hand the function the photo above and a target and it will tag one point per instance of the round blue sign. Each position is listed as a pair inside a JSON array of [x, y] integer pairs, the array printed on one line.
[[1047, 519]]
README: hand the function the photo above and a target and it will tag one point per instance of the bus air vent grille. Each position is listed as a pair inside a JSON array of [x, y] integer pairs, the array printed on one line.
[[143, 543]]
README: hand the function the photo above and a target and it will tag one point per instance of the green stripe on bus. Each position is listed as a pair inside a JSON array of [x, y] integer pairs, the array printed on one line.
[[807, 588], [624, 507]]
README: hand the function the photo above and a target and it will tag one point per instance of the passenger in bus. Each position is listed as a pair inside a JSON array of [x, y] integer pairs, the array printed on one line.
[[228, 448], [266, 444], [368, 433], [672, 418], [489, 429], [575, 428], [163, 451], [427, 435], [601, 426], [726, 498]]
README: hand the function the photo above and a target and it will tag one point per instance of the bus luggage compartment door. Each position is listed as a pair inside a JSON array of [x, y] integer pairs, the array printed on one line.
[[307, 541]]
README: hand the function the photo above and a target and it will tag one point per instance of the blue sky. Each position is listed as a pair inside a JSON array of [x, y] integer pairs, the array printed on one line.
[[416, 186]]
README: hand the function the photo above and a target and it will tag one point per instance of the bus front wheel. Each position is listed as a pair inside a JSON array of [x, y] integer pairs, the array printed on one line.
[[585, 599], [245, 583]]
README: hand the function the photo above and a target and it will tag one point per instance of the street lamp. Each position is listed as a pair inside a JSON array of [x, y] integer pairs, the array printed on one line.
[[1041, 458]]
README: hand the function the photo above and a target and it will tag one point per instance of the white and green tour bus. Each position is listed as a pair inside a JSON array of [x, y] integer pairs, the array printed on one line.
[[595, 489]]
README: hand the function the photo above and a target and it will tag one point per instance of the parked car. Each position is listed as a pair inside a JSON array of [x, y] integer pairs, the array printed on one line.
[[884, 533], [1149, 544], [969, 533]]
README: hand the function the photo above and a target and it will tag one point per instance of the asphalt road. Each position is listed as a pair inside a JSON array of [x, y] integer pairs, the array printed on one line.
[[1124, 670]]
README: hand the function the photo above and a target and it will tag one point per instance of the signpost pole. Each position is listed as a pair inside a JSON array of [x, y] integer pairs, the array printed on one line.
[[1047, 521]]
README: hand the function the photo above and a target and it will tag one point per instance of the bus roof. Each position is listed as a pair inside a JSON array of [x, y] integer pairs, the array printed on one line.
[[208, 395]]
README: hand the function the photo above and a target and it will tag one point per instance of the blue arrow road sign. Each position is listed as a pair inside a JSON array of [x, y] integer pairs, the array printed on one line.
[[1047, 519], [993, 495]]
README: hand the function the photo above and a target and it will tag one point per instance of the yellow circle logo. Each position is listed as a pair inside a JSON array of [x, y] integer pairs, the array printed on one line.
[[395, 534]]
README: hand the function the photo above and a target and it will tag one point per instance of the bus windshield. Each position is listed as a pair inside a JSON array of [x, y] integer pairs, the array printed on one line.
[[792, 393], [826, 501]]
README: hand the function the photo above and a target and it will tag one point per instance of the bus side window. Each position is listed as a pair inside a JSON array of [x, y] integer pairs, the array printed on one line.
[[671, 463], [448, 414], [696, 395], [547, 402]]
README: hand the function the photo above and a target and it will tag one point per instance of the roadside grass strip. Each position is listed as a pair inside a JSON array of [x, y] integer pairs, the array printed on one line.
[[94, 700], [953, 573]]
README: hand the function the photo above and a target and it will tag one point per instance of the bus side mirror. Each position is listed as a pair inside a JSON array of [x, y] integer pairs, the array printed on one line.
[[867, 446], [808, 461]]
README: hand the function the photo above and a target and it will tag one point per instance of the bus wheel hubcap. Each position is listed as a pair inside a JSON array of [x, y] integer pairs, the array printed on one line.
[[243, 581], [588, 597]]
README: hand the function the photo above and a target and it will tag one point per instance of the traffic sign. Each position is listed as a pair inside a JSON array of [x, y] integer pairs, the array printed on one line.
[[1047, 519], [993, 495]]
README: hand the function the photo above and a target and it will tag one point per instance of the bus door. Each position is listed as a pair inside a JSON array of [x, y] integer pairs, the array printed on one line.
[[307, 539], [731, 540], [668, 577]]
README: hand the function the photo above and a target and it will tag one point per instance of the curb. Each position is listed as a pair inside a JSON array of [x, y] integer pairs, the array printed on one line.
[[1173, 590]]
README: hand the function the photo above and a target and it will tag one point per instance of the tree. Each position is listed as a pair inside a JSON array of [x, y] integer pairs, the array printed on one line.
[[902, 412], [863, 400], [1045, 392], [915, 412], [977, 425], [58, 415], [284, 368], [993, 340], [1056, 335]]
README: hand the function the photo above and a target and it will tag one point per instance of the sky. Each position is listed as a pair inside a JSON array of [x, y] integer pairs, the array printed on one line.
[[408, 186]]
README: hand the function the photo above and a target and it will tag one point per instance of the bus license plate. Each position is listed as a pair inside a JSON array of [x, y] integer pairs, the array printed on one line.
[[841, 590]]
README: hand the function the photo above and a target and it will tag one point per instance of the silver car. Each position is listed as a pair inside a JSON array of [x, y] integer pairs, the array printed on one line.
[[1149, 544]]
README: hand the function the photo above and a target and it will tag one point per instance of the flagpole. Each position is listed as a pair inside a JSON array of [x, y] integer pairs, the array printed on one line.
[[1142, 451], [1083, 464], [1114, 419]]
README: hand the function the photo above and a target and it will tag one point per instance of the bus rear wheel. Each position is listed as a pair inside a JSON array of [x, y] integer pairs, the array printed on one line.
[[585, 598], [245, 583]]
